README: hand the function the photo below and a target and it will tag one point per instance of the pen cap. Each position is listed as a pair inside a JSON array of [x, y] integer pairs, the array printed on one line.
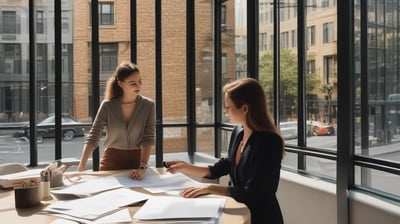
[[44, 176]]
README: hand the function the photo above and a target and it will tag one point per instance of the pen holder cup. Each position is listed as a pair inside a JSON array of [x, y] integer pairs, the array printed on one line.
[[26, 197]]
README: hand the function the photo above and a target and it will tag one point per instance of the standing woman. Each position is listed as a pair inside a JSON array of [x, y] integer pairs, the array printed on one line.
[[254, 156], [129, 119]]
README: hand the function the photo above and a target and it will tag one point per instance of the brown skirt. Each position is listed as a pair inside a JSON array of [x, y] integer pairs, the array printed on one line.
[[120, 159]]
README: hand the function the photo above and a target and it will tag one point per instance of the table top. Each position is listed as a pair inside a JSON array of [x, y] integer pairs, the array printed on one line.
[[233, 212]]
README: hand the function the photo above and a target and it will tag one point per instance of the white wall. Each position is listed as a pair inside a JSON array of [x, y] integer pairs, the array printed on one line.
[[366, 209], [306, 200]]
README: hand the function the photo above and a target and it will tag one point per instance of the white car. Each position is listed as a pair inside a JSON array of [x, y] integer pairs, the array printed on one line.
[[289, 130]]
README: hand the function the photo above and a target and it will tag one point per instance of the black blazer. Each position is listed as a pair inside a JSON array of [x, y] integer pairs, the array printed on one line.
[[255, 178]]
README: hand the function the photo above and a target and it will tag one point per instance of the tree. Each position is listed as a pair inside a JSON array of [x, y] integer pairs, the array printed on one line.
[[288, 77]]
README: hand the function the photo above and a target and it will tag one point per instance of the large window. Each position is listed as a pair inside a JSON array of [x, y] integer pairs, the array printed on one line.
[[297, 66], [377, 133]]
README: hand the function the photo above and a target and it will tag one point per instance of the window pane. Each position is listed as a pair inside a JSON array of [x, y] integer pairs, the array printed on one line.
[[175, 140], [9, 22], [321, 167], [234, 58], [290, 161], [205, 141], [225, 138], [288, 73], [383, 83], [378, 180], [39, 22], [204, 34], [108, 57], [321, 76], [106, 13], [174, 83]]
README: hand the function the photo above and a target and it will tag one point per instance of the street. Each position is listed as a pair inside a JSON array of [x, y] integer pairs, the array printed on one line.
[[16, 150]]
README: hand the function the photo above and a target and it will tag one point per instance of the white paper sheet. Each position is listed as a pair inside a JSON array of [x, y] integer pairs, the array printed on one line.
[[156, 183], [152, 182], [170, 207], [120, 216], [90, 187], [92, 208]]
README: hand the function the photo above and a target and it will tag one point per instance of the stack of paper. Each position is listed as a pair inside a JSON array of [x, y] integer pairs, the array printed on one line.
[[152, 182], [97, 206], [168, 209]]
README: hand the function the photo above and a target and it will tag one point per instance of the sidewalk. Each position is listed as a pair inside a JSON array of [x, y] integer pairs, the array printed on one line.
[[394, 146]]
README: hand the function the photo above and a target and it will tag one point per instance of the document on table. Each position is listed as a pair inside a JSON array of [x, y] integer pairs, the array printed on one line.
[[120, 216], [155, 182], [94, 207], [152, 181], [90, 187], [170, 208]]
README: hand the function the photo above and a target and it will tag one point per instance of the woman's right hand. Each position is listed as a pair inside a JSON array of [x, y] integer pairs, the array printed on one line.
[[177, 166]]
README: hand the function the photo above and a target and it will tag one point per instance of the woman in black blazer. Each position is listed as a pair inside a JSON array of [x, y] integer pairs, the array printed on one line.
[[254, 156]]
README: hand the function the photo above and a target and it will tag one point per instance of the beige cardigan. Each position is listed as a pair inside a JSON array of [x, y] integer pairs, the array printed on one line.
[[139, 132]]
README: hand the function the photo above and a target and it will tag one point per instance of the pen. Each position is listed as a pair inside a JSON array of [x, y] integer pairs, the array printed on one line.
[[165, 164]]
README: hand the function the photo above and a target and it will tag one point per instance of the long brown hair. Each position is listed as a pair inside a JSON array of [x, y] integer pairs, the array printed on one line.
[[249, 91], [123, 70]]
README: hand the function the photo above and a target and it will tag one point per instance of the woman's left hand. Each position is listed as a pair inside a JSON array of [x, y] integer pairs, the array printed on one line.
[[138, 174], [193, 192]]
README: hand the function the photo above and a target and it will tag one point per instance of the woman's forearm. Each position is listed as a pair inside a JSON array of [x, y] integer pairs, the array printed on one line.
[[86, 153], [218, 190], [145, 154]]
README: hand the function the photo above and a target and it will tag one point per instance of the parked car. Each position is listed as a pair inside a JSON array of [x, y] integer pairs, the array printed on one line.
[[320, 129], [289, 130], [46, 128]]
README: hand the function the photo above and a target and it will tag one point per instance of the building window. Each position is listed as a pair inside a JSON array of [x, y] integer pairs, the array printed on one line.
[[106, 13], [223, 18], [328, 3], [108, 57], [330, 68], [223, 63], [310, 67], [271, 42], [285, 40], [310, 36], [9, 22], [10, 58], [263, 41], [41, 61], [65, 25], [39, 22], [328, 32], [282, 14], [294, 38], [311, 5]]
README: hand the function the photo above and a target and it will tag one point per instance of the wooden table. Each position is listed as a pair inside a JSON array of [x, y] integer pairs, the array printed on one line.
[[233, 212]]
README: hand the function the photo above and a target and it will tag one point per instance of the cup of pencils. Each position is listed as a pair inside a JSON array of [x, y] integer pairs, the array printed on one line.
[[27, 194]]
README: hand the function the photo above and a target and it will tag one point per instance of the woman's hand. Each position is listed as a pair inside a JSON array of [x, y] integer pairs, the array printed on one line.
[[138, 174], [193, 192], [176, 166]]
